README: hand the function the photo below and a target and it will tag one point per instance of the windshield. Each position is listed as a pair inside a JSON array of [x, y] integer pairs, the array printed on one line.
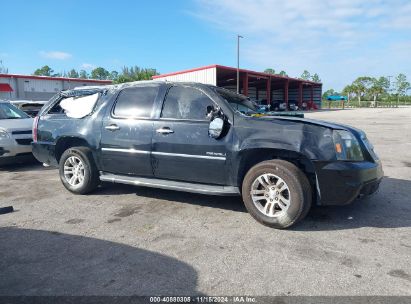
[[8, 111], [239, 102]]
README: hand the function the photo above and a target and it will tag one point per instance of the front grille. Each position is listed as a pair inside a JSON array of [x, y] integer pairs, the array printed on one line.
[[24, 141], [21, 132]]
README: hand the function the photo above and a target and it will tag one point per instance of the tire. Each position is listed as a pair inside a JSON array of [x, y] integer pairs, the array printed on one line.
[[272, 206], [88, 170]]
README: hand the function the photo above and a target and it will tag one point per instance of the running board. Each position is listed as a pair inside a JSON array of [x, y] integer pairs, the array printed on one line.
[[169, 184]]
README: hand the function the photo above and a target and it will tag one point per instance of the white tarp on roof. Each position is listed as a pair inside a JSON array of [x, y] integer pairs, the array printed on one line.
[[79, 107]]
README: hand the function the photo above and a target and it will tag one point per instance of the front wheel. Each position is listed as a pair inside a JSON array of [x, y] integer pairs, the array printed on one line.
[[276, 193], [77, 170]]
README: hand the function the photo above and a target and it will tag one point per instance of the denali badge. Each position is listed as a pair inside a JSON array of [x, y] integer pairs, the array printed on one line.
[[215, 154]]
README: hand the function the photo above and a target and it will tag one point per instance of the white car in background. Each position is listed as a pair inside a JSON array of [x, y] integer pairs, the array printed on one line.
[[30, 107], [15, 134]]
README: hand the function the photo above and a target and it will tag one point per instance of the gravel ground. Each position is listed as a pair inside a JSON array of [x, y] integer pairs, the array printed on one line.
[[124, 240]]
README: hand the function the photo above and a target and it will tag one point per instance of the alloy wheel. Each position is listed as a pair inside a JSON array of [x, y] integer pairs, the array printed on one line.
[[74, 171], [270, 194]]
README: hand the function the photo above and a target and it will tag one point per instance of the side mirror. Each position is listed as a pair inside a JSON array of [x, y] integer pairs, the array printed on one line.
[[210, 109], [215, 128]]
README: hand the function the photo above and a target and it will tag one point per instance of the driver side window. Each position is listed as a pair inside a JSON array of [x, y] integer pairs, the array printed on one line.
[[186, 103]]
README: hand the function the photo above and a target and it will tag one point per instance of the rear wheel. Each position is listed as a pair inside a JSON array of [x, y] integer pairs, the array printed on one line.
[[276, 193], [78, 172]]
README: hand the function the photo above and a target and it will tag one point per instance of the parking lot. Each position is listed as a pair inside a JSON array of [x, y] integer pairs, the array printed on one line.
[[124, 240]]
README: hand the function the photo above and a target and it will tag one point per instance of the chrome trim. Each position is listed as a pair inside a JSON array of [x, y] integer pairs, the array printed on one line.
[[189, 155], [170, 185], [134, 151], [164, 130], [318, 186], [112, 127]]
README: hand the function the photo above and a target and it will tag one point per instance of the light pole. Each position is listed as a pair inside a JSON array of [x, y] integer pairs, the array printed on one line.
[[238, 63], [389, 88]]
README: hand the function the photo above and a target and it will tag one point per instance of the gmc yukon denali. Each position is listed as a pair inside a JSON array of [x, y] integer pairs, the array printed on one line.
[[203, 139]]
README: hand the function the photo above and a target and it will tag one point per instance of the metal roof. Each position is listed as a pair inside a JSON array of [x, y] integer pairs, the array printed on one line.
[[235, 69], [54, 78]]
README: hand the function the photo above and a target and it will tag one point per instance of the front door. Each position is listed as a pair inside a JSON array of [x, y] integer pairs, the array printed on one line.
[[127, 132], [182, 149]]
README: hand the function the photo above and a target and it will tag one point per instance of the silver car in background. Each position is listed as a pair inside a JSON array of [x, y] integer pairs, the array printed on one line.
[[15, 134]]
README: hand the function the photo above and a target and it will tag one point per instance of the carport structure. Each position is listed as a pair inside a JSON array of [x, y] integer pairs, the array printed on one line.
[[263, 87]]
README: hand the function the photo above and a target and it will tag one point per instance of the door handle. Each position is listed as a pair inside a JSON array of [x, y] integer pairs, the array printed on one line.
[[164, 130], [112, 127]]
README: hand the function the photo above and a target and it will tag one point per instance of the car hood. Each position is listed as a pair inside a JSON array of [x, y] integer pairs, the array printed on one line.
[[320, 123], [22, 124]]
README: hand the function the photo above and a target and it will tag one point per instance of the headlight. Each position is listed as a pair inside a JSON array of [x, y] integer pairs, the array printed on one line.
[[347, 146], [4, 134]]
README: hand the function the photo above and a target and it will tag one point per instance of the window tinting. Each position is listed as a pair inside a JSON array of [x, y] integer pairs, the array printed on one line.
[[135, 102], [186, 103]]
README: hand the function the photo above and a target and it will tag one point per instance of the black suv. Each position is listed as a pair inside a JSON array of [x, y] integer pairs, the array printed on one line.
[[192, 137]]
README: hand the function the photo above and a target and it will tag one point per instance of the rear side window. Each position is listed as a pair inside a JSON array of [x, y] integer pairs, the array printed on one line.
[[135, 102], [186, 103]]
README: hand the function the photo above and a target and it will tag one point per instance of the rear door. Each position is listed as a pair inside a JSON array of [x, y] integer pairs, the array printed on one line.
[[182, 149], [127, 132]]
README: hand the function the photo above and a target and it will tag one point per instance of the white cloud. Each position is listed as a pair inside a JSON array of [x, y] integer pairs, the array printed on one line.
[[339, 39], [399, 17], [87, 66], [56, 55]]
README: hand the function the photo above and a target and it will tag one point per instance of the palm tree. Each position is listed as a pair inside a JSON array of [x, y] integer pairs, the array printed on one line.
[[348, 90]]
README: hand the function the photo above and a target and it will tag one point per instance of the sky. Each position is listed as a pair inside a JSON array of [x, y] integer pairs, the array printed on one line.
[[338, 39]]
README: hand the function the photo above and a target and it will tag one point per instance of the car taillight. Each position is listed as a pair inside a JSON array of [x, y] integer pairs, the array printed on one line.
[[35, 124]]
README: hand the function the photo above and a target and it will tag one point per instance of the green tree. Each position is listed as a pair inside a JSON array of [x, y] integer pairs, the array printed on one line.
[[361, 86], [347, 91], [269, 71], [73, 74], [83, 74], [100, 73], [379, 86], [113, 75], [283, 73], [315, 78], [305, 75], [44, 71], [123, 78], [135, 74], [401, 86]]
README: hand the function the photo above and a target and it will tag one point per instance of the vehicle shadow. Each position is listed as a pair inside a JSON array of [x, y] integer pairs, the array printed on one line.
[[390, 207], [232, 203], [30, 165], [37, 262]]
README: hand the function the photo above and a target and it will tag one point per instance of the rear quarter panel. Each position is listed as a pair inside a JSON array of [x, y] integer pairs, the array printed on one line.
[[55, 127]]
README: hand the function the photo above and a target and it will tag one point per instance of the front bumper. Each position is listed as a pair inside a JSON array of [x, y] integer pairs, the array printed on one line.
[[341, 182], [12, 149]]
